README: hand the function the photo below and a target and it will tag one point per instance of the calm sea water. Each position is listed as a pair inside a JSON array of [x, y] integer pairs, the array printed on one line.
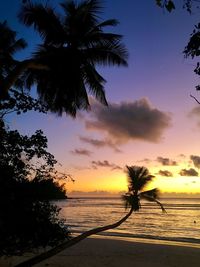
[[180, 223]]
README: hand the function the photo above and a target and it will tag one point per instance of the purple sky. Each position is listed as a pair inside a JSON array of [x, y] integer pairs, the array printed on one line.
[[150, 120]]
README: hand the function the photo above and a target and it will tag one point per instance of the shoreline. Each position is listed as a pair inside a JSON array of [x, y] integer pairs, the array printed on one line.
[[152, 239], [145, 240], [107, 251]]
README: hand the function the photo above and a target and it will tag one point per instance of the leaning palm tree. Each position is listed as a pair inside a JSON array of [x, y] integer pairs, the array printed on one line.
[[74, 44], [138, 178]]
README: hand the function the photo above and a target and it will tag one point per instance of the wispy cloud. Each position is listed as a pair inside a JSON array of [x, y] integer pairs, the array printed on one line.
[[82, 152], [129, 121], [146, 161], [105, 164], [165, 173], [100, 143], [188, 172], [167, 161]]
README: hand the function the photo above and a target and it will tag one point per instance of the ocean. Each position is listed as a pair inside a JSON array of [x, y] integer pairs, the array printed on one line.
[[181, 222]]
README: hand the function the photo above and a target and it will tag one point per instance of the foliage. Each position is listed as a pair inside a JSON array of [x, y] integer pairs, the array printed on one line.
[[20, 102], [192, 49], [27, 219], [9, 45], [170, 5]]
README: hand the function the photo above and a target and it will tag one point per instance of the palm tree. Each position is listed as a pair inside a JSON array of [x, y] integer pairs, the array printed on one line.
[[138, 178], [64, 66], [9, 45]]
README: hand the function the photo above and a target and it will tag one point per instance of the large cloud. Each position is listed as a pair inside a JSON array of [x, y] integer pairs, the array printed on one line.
[[99, 143], [166, 161], [129, 121], [195, 160], [188, 172]]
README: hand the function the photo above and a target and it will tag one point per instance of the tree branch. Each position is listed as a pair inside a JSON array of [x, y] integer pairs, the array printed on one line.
[[195, 99]]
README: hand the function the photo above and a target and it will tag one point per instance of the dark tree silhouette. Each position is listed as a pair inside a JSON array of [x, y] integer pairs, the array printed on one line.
[[138, 178], [64, 65], [27, 219], [10, 68], [170, 5], [193, 49], [9, 45]]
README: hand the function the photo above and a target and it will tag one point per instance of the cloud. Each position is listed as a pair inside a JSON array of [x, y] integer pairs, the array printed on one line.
[[99, 143], [146, 161], [165, 173], [106, 164], [166, 161], [182, 156], [195, 160], [80, 168], [188, 172], [195, 112], [129, 121], [82, 152]]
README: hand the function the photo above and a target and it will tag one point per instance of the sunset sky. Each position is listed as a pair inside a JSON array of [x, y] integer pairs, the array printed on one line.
[[151, 119]]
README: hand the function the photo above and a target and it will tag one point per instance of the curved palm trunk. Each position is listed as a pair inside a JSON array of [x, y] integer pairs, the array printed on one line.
[[18, 70], [67, 244]]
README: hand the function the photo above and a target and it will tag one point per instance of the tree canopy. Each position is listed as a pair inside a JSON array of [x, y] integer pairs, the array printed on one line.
[[27, 219]]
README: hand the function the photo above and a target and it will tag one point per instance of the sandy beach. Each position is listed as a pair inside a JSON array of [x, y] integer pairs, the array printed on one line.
[[118, 252]]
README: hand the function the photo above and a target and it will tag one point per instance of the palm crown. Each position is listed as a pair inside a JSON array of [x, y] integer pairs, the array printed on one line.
[[74, 43], [138, 178]]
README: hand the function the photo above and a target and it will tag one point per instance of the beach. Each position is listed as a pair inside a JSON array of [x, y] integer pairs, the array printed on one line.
[[118, 252]]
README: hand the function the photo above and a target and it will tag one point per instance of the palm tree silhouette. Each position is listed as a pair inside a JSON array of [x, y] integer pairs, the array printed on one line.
[[64, 67], [9, 45], [138, 178]]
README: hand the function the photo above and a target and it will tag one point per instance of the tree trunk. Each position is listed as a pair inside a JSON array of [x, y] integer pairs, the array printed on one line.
[[18, 70], [73, 241]]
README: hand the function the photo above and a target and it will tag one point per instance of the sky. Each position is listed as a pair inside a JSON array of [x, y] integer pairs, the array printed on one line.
[[151, 119]]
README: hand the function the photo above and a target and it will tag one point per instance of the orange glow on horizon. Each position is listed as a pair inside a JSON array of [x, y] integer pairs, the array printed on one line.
[[115, 182]]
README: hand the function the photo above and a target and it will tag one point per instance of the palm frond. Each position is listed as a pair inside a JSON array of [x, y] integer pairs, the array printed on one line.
[[96, 38], [152, 195], [138, 178], [131, 201], [17, 45], [108, 54], [95, 83], [45, 21], [108, 22]]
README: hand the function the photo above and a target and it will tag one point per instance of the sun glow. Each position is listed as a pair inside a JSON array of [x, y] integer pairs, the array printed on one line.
[[116, 181]]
